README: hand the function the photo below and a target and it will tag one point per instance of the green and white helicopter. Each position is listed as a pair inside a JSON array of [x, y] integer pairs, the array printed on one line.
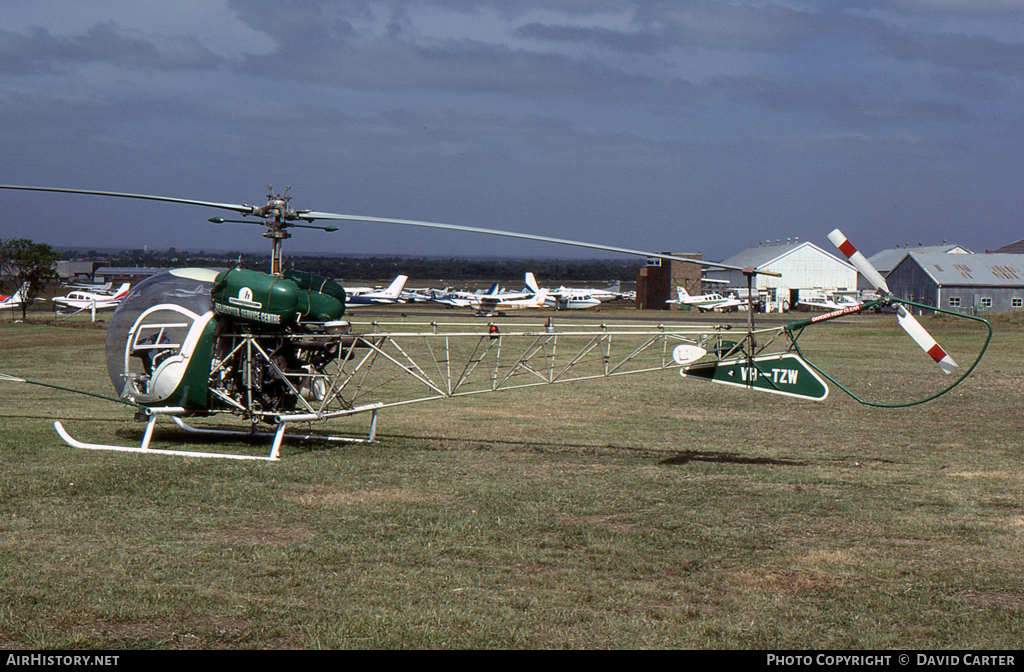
[[276, 349]]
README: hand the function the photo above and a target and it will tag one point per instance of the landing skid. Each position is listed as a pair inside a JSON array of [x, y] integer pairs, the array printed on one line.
[[275, 451]]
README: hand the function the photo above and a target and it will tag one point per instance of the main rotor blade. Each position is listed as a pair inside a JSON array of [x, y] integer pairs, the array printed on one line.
[[311, 215], [239, 208], [903, 316]]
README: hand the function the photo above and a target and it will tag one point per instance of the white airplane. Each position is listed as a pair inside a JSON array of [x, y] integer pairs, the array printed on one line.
[[704, 302], [357, 297], [16, 299], [612, 292], [828, 303], [81, 300], [563, 297], [493, 302], [416, 294], [449, 298], [89, 286]]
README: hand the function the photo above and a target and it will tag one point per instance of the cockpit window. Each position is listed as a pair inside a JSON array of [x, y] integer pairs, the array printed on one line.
[[151, 326]]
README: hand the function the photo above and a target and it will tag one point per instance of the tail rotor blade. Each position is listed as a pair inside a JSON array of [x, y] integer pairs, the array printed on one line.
[[905, 319], [925, 340], [859, 261]]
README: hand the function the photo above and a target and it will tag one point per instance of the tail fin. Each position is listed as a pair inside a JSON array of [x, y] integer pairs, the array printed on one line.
[[531, 282], [395, 288], [122, 290]]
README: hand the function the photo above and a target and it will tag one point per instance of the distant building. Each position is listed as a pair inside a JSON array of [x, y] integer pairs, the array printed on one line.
[[968, 283], [886, 260], [803, 265], [79, 271], [1012, 248], [657, 281], [132, 274]]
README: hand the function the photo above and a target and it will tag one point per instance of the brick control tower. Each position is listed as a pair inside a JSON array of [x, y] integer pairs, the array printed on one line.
[[657, 281]]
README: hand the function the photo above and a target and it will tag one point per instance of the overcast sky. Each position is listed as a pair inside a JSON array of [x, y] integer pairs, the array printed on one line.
[[684, 125]]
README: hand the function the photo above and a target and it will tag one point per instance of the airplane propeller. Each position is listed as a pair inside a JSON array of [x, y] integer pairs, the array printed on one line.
[[903, 316]]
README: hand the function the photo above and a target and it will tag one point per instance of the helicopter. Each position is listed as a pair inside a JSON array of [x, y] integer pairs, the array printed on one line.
[[276, 349]]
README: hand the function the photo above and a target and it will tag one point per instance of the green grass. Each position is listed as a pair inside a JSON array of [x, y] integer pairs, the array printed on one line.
[[647, 511]]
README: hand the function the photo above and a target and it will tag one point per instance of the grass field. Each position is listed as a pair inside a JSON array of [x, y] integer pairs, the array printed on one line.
[[646, 511]]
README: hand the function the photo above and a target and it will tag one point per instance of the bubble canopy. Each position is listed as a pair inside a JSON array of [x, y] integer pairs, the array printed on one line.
[[152, 324]]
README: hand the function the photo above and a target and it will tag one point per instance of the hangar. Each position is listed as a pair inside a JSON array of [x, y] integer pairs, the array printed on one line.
[[886, 260], [803, 266], [968, 283], [1012, 248], [132, 274]]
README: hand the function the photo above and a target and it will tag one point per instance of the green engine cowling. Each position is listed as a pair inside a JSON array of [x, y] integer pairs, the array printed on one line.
[[274, 301]]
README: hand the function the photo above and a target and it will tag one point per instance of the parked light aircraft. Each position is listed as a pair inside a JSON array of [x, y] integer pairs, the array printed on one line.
[[487, 303], [272, 348], [16, 299], [565, 298], [80, 300], [90, 286], [612, 292], [705, 302], [828, 302], [447, 297], [390, 295], [494, 302]]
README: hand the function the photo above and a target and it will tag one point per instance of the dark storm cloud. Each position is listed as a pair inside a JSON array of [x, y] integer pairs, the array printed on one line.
[[641, 42], [40, 52], [688, 124], [850, 104], [978, 53]]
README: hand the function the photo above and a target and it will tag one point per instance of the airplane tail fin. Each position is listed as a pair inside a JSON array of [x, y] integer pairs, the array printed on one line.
[[682, 293], [396, 286], [495, 288], [531, 282], [123, 289]]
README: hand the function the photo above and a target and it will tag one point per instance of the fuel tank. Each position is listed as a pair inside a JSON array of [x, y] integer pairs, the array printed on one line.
[[273, 301]]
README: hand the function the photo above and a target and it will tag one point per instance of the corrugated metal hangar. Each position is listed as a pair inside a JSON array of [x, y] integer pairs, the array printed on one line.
[[886, 260], [970, 283], [803, 265]]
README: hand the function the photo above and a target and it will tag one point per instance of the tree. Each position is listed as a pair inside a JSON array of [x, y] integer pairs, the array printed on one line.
[[23, 262]]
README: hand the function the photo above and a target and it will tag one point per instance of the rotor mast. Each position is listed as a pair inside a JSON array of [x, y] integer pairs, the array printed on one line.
[[277, 213]]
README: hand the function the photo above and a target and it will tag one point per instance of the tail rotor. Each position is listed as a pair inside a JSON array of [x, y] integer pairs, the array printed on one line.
[[903, 316]]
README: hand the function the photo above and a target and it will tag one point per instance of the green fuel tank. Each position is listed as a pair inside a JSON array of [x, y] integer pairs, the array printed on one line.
[[274, 301]]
